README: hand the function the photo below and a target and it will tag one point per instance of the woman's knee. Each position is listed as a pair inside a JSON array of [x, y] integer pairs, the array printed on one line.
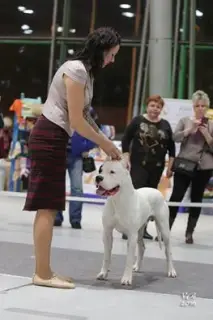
[[46, 214]]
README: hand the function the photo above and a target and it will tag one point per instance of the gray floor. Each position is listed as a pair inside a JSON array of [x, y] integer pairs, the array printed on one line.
[[84, 265], [79, 254]]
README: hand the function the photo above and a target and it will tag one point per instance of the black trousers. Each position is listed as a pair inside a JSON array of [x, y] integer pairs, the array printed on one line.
[[181, 184], [145, 176]]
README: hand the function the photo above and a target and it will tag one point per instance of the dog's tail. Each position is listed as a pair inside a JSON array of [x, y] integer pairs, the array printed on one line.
[[158, 235]]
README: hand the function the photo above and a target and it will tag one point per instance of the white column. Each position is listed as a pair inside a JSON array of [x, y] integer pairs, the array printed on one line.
[[160, 47]]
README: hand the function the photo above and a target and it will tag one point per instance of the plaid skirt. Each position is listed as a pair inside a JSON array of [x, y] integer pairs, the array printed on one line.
[[47, 152]]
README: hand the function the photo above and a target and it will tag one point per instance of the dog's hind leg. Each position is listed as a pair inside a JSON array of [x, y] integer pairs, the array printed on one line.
[[131, 248], [162, 222], [170, 267], [107, 240], [140, 250]]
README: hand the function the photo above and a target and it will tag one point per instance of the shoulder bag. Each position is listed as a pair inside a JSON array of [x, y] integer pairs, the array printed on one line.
[[185, 166]]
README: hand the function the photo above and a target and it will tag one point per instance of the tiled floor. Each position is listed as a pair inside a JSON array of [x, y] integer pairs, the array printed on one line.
[[79, 254]]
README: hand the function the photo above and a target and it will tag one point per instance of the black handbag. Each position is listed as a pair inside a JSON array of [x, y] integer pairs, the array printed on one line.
[[89, 165], [184, 166]]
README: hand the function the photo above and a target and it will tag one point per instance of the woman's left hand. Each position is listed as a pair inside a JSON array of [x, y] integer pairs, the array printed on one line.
[[204, 129]]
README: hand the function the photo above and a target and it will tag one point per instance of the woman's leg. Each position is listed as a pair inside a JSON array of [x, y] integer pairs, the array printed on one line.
[[199, 183], [181, 184], [43, 231]]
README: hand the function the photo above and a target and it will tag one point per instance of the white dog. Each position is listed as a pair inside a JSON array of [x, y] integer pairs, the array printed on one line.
[[128, 210]]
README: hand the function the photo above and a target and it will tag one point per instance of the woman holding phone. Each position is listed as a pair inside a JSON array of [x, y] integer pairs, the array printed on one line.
[[194, 164]]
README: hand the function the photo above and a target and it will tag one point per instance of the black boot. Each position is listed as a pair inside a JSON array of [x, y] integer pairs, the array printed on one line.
[[190, 229], [146, 235]]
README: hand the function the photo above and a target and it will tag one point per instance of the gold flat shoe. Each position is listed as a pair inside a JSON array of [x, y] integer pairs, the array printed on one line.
[[54, 282], [64, 278]]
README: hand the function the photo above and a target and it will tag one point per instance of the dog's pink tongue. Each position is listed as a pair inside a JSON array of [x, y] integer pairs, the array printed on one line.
[[100, 191], [112, 192]]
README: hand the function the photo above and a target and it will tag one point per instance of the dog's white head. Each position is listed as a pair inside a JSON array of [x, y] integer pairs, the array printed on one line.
[[112, 176]]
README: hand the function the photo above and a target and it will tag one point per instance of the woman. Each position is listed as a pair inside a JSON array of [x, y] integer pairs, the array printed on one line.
[[196, 137], [150, 138], [66, 109]]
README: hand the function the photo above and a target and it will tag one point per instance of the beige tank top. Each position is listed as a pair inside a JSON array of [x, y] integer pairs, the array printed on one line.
[[55, 108]]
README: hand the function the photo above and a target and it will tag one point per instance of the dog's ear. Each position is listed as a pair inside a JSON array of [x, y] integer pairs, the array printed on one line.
[[125, 161]]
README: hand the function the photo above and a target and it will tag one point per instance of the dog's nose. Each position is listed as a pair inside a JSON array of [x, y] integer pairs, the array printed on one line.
[[98, 179]]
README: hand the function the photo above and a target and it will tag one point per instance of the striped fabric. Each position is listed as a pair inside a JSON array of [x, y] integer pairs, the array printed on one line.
[[47, 150]]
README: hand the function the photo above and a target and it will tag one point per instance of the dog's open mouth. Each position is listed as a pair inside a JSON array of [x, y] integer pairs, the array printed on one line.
[[106, 193]]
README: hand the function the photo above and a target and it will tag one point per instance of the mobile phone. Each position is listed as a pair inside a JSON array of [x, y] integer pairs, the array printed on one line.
[[204, 121]]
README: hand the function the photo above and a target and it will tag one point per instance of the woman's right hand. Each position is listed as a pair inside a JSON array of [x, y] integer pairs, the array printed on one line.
[[194, 127], [110, 149], [196, 124]]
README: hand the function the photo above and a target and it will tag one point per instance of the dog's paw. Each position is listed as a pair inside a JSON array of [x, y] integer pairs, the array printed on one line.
[[126, 280], [102, 275], [136, 267], [172, 273]]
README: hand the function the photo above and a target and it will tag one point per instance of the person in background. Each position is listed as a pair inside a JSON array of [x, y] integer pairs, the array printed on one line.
[[196, 137], [146, 141], [5, 136], [1, 136], [65, 110], [1, 121], [77, 149]]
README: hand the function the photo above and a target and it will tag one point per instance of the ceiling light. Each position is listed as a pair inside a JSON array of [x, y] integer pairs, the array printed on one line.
[[125, 6], [71, 51], [59, 29], [28, 11], [73, 30], [181, 30], [29, 31], [199, 13], [25, 27], [21, 8], [128, 14]]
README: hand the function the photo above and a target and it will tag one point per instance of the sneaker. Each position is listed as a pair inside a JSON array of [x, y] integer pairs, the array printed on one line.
[[124, 237], [76, 225], [57, 223]]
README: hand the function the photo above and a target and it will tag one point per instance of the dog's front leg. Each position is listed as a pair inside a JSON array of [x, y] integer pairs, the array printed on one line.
[[107, 240], [131, 246]]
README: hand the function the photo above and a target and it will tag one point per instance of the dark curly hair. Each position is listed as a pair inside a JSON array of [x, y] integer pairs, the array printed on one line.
[[98, 41]]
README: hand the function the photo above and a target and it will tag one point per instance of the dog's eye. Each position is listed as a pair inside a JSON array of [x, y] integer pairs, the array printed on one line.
[[112, 172], [100, 169]]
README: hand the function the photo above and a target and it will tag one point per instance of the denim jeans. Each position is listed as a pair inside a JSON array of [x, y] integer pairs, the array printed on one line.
[[75, 170]]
